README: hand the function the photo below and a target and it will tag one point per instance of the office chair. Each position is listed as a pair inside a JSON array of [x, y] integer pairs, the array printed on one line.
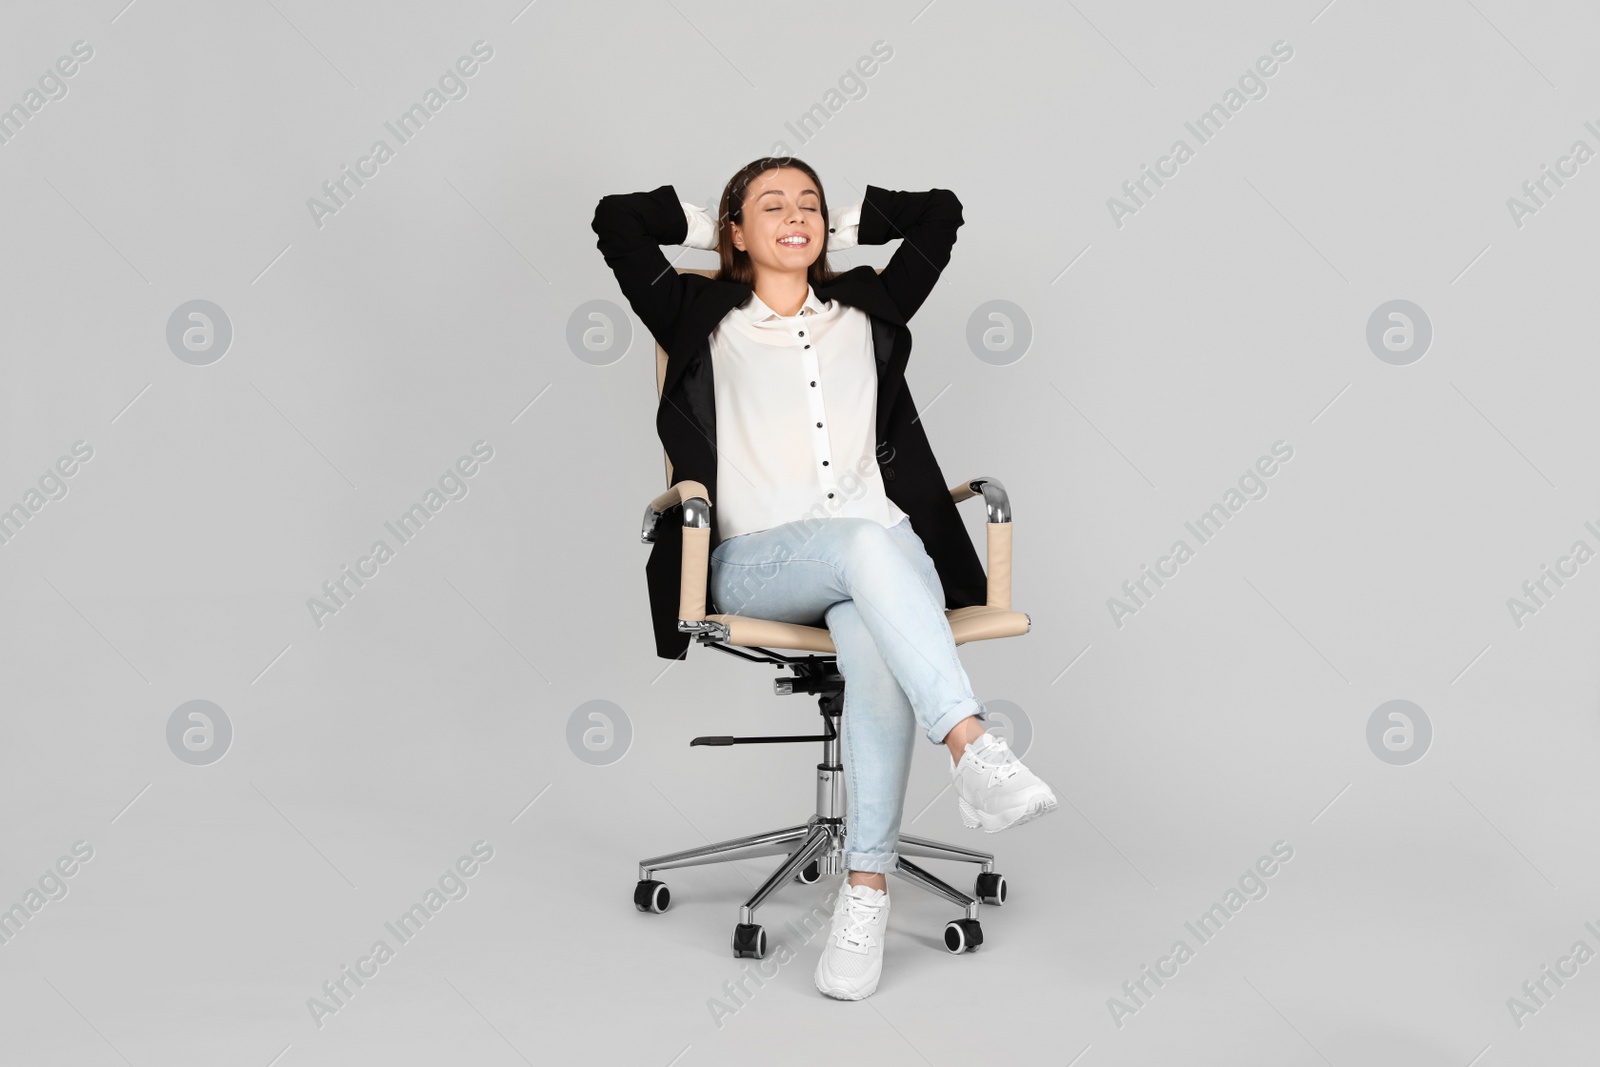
[[816, 847]]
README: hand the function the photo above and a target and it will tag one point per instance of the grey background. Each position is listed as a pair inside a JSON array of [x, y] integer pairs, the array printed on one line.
[[432, 712]]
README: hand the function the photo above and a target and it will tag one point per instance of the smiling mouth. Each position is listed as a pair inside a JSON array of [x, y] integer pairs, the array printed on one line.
[[791, 242]]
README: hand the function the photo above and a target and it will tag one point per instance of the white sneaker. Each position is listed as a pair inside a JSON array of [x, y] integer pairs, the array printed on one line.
[[852, 957], [994, 789]]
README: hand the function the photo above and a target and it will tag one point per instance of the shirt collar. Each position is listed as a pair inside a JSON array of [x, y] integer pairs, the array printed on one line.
[[756, 310]]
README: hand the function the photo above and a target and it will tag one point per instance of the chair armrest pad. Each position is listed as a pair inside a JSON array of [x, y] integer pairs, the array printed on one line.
[[679, 492], [998, 505], [696, 543]]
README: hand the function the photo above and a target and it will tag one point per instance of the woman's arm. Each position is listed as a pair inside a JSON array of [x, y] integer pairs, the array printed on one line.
[[927, 223], [631, 228]]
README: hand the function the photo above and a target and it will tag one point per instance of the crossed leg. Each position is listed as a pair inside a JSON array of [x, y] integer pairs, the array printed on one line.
[[884, 605]]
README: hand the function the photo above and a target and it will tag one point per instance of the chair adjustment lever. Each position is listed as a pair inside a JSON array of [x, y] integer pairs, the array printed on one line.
[[777, 739]]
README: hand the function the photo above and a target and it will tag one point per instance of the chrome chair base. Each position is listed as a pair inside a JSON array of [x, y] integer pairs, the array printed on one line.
[[821, 841], [816, 846]]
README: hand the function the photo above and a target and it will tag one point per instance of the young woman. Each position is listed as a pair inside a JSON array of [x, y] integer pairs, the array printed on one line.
[[785, 397]]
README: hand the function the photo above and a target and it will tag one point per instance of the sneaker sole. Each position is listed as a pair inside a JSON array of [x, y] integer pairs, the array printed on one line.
[[1042, 804]]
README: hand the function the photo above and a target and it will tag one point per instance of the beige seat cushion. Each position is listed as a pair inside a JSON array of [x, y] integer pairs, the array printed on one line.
[[977, 623]]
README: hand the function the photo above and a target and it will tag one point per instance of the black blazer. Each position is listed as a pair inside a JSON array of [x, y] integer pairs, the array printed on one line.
[[682, 310]]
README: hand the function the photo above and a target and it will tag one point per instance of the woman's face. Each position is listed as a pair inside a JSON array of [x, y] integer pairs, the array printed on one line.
[[782, 229]]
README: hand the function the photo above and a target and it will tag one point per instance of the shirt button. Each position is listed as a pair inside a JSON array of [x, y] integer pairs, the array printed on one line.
[[888, 473], [802, 333], [819, 425], [830, 496], [824, 463], [808, 346], [813, 385]]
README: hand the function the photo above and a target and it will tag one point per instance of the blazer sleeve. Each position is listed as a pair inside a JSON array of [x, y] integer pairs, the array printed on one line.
[[926, 222], [631, 228]]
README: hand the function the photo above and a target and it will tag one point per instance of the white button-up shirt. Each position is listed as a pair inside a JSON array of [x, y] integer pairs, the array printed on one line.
[[796, 417]]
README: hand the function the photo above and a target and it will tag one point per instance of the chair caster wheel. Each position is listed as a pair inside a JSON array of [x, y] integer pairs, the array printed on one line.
[[962, 935], [749, 939], [650, 895], [991, 889], [810, 874]]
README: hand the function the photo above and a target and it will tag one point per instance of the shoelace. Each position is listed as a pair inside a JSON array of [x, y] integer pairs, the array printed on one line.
[[858, 914], [1001, 763]]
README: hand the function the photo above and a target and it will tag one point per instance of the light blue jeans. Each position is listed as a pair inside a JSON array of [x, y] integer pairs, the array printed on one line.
[[881, 598]]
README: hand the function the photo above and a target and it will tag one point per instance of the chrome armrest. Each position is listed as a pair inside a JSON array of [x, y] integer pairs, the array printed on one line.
[[998, 506], [995, 498], [696, 504], [696, 508]]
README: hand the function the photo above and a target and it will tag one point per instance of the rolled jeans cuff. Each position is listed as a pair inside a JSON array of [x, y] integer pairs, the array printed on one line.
[[947, 722], [871, 862]]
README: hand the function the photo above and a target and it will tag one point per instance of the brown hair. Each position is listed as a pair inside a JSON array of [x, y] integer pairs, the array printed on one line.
[[736, 266]]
